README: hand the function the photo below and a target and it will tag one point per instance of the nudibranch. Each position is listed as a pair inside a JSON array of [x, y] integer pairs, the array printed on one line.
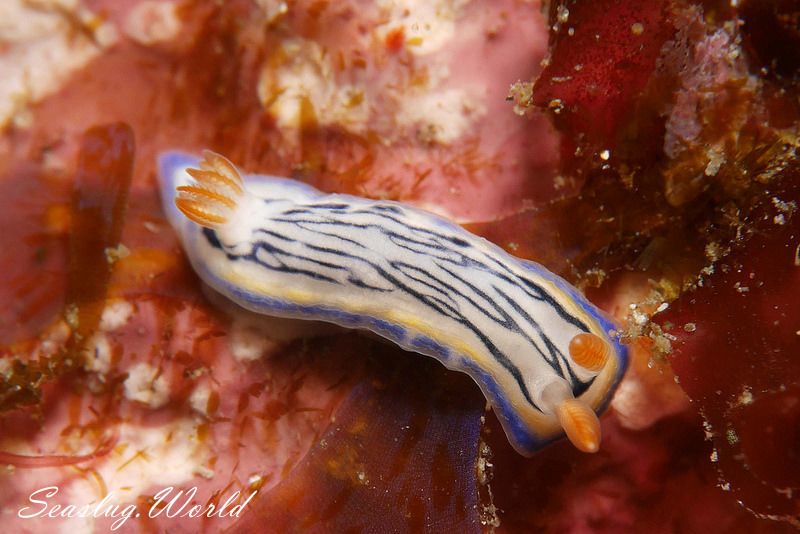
[[544, 356]]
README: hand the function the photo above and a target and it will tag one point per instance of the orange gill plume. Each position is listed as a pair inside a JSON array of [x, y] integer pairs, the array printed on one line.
[[213, 198]]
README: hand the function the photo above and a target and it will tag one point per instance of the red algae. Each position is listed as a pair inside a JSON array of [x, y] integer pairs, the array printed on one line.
[[772, 28], [657, 481], [735, 348], [33, 280], [98, 202], [689, 160], [56, 460], [400, 454], [602, 57], [99, 199]]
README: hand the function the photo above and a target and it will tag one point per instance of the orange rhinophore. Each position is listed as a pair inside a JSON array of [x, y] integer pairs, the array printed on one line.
[[580, 424], [589, 351], [213, 199]]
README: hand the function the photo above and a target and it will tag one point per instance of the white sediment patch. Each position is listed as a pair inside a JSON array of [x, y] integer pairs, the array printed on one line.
[[116, 314], [151, 22], [145, 385], [40, 47], [146, 457], [303, 82], [427, 25]]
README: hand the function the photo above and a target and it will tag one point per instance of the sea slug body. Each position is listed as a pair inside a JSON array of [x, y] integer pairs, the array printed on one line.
[[540, 352]]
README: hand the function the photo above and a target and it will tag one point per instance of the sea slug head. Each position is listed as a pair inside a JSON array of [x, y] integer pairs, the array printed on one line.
[[207, 193], [172, 173]]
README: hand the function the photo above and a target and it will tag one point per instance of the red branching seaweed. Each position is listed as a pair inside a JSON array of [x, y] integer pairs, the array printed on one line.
[[57, 460]]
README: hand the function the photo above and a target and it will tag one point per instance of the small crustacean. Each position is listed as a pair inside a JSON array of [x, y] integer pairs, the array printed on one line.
[[542, 354]]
